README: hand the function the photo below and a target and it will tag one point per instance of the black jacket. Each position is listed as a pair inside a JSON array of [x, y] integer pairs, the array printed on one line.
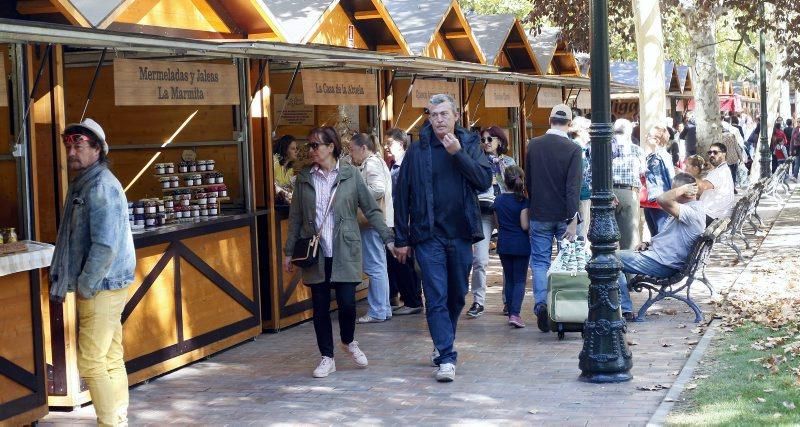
[[553, 176], [413, 201], [689, 135]]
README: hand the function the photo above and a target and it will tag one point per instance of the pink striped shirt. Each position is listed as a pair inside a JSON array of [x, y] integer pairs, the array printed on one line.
[[323, 186]]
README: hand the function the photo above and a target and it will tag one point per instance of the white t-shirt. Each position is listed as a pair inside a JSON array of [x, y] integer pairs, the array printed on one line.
[[718, 202]]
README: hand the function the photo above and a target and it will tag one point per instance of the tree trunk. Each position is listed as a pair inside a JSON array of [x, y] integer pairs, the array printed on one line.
[[702, 28], [650, 49]]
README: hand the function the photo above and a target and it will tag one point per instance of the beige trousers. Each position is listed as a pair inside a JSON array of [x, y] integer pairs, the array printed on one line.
[[627, 215], [100, 355]]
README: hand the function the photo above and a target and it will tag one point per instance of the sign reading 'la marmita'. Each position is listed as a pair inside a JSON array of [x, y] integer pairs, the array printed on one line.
[[138, 82]]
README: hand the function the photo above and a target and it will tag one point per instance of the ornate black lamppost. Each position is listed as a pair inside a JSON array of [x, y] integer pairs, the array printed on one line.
[[766, 154], [605, 356]]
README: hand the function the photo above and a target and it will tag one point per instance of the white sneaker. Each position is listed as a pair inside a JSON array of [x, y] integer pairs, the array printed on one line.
[[326, 367], [358, 356], [368, 319], [446, 373], [434, 355]]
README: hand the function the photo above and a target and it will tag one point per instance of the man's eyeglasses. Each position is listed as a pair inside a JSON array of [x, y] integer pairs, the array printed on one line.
[[74, 140], [488, 139], [315, 145], [713, 152]]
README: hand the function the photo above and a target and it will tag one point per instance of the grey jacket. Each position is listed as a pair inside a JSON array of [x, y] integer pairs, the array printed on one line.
[[94, 248]]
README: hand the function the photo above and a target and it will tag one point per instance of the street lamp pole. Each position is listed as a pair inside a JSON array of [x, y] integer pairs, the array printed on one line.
[[766, 155], [605, 357]]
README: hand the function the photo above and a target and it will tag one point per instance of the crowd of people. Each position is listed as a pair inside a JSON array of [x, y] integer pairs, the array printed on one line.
[[418, 219]]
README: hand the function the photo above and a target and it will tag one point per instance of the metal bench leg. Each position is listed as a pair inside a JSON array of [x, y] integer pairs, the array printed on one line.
[[698, 314], [705, 281], [746, 243], [732, 245]]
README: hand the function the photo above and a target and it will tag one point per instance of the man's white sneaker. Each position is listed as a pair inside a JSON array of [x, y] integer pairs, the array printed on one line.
[[446, 373], [368, 319], [434, 355], [326, 367], [358, 356]]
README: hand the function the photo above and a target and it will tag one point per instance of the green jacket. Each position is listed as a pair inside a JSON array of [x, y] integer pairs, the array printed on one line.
[[352, 193]]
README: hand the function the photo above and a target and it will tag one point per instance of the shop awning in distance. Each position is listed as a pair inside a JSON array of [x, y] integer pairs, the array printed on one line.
[[504, 42], [553, 53], [435, 29]]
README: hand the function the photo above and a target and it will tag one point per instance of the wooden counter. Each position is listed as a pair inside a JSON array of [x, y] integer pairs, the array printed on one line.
[[195, 293], [23, 397]]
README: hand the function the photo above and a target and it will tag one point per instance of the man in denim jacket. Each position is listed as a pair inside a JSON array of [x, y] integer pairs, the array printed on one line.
[[95, 258]]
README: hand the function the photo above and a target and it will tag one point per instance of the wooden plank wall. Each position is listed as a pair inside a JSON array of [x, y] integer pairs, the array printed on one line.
[[333, 30], [16, 335], [538, 119], [152, 125], [413, 119], [438, 48], [8, 168]]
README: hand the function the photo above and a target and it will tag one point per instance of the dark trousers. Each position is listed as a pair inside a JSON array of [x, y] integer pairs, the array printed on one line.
[[321, 301], [655, 219], [734, 172], [445, 265], [404, 279], [515, 272]]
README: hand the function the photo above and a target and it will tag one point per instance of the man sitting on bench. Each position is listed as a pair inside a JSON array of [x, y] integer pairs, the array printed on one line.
[[667, 253]]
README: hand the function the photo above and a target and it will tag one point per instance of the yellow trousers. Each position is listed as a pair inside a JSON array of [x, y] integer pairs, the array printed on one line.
[[100, 355]]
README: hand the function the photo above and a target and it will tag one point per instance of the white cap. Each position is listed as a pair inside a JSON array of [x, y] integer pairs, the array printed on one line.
[[561, 111], [91, 126]]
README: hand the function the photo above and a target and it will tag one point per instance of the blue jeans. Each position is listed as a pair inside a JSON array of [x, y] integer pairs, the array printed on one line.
[[515, 271], [445, 265], [796, 165], [634, 262], [655, 219], [374, 264], [542, 235]]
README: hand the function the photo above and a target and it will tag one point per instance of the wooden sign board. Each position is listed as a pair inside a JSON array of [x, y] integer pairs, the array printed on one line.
[[3, 81], [295, 113], [138, 82], [625, 108], [424, 89], [335, 88], [549, 97], [501, 96]]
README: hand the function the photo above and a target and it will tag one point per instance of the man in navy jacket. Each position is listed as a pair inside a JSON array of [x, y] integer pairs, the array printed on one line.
[[436, 213]]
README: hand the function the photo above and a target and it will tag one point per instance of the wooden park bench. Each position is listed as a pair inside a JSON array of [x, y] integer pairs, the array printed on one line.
[[757, 191], [659, 288], [737, 221]]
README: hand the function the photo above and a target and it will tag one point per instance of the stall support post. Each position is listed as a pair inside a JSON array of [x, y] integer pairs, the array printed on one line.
[[766, 159], [605, 357], [243, 126]]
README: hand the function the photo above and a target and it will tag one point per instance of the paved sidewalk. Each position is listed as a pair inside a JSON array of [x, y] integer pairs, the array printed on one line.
[[504, 375]]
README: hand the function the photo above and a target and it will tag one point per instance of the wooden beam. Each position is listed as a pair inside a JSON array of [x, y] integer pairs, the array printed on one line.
[[36, 7], [364, 15], [562, 54], [266, 35], [516, 45], [455, 35], [389, 48]]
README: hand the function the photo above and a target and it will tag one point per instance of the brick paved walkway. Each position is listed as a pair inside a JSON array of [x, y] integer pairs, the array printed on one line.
[[504, 375]]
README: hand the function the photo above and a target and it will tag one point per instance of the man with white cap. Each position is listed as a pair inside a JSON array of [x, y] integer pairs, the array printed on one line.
[[553, 176], [95, 258]]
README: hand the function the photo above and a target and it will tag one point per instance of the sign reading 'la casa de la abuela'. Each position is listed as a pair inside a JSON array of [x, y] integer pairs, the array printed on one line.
[[138, 82], [337, 88]]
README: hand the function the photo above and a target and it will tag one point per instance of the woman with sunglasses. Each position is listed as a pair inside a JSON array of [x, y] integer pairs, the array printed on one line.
[[328, 193], [495, 146]]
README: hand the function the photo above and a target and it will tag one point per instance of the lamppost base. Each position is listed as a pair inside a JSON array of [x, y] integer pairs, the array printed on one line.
[[598, 378]]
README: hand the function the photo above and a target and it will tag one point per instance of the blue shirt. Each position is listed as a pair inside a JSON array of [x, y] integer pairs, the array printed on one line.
[[511, 238], [448, 200]]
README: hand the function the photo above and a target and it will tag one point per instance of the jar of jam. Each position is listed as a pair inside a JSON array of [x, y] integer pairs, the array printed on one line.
[[210, 165], [195, 211], [138, 220], [160, 169], [211, 179], [223, 191], [165, 181], [138, 208], [169, 202], [220, 178], [169, 167], [213, 209], [192, 166], [183, 166], [150, 206], [174, 182], [201, 165]]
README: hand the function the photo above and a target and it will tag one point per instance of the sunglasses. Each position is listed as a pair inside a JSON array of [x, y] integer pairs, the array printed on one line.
[[488, 139], [713, 152], [74, 139], [315, 145]]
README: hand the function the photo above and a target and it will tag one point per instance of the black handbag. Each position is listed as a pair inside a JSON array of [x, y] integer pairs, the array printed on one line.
[[306, 250]]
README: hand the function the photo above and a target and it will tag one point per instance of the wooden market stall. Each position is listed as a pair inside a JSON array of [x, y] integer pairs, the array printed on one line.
[[23, 392], [295, 94], [553, 53], [196, 288], [505, 45]]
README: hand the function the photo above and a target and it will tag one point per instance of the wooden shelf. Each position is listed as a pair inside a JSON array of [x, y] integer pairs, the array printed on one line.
[[194, 187], [185, 173]]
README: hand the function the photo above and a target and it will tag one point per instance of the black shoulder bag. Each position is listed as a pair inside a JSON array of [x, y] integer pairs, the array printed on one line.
[[306, 250]]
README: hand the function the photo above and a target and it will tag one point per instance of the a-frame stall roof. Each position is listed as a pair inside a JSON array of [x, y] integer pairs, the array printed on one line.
[[201, 19], [553, 52], [435, 29], [627, 72], [684, 78], [504, 42]]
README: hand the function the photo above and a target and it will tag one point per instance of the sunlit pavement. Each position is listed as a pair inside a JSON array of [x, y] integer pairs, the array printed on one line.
[[504, 375]]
